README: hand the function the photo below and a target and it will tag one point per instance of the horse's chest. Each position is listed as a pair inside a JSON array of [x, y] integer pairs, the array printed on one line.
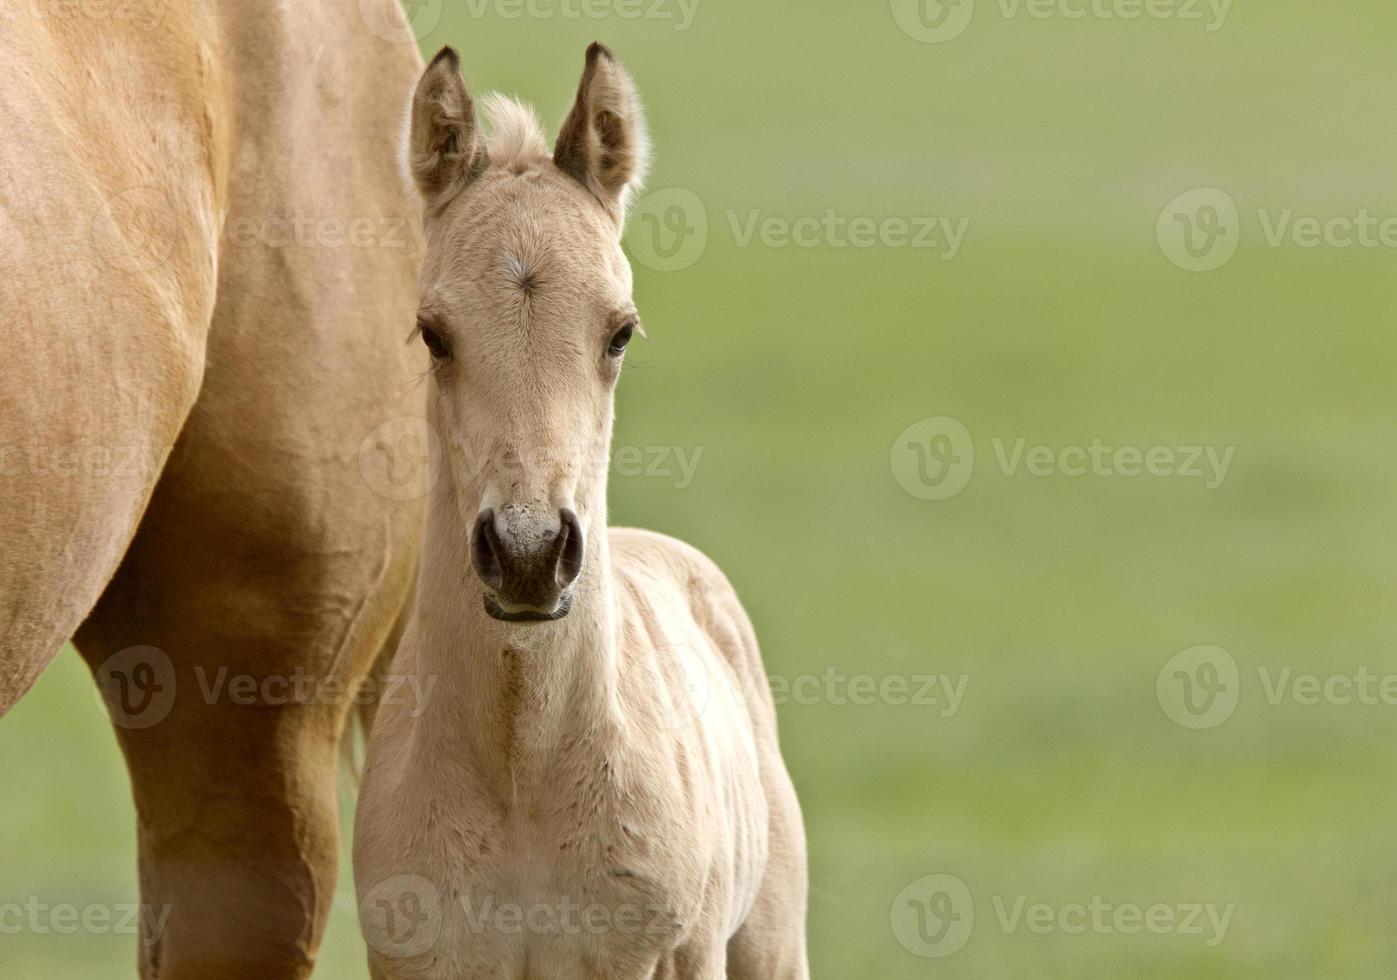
[[557, 903]]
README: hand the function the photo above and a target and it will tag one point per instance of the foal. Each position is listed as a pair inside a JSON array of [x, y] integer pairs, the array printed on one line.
[[595, 789]]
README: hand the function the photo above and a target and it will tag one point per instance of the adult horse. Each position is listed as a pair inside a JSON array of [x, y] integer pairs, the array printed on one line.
[[207, 271]]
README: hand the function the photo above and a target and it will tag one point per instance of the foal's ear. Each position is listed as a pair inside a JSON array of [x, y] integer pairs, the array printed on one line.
[[603, 142], [444, 147]]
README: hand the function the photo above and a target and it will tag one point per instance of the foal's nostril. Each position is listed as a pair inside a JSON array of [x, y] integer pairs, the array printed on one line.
[[523, 567], [568, 549], [485, 550]]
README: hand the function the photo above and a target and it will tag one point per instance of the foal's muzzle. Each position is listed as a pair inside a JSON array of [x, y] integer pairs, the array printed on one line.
[[527, 571]]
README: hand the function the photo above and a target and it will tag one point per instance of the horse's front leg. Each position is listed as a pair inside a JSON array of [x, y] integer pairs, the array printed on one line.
[[237, 835], [229, 685]]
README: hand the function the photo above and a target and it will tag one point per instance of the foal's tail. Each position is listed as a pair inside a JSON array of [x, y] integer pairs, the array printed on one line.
[[361, 720]]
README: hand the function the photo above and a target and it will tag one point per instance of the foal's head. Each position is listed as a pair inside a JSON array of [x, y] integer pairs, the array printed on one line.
[[526, 310]]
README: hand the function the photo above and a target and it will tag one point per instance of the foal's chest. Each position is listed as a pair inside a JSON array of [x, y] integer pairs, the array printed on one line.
[[538, 899]]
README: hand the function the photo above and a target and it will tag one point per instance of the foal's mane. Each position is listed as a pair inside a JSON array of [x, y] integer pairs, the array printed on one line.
[[515, 136]]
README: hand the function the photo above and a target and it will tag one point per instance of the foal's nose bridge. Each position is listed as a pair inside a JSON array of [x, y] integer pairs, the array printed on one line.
[[526, 560]]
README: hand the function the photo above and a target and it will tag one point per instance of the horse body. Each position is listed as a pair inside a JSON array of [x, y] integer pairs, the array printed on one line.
[[595, 787], [188, 383]]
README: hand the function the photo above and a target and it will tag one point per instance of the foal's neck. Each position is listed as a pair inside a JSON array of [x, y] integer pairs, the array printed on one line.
[[516, 702]]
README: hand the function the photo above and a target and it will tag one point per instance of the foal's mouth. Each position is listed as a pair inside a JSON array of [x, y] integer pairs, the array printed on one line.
[[495, 611]]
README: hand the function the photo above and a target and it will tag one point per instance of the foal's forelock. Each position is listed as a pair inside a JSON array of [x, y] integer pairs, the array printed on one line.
[[516, 139]]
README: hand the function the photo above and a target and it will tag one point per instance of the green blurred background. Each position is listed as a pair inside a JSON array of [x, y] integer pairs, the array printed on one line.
[[794, 370]]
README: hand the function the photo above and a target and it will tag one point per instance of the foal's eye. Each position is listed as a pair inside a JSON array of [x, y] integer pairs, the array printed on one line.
[[620, 339], [435, 345]]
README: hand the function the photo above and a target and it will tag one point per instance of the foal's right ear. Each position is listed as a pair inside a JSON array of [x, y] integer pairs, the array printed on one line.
[[444, 147]]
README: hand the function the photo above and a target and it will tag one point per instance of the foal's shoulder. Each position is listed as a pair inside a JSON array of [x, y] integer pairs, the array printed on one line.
[[647, 563], [650, 562], [638, 553]]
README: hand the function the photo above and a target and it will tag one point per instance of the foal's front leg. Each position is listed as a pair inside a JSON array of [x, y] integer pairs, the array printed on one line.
[[237, 838]]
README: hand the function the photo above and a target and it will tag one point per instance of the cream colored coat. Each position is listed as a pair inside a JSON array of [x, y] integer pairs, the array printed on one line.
[[601, 795]]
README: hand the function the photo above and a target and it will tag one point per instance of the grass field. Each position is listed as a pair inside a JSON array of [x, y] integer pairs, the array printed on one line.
[[791, 371]]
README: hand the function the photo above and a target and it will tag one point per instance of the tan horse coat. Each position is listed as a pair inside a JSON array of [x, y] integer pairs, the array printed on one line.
[[187, 382]]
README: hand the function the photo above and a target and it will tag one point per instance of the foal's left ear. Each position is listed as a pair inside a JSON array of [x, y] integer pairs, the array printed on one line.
[[603, 142]]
